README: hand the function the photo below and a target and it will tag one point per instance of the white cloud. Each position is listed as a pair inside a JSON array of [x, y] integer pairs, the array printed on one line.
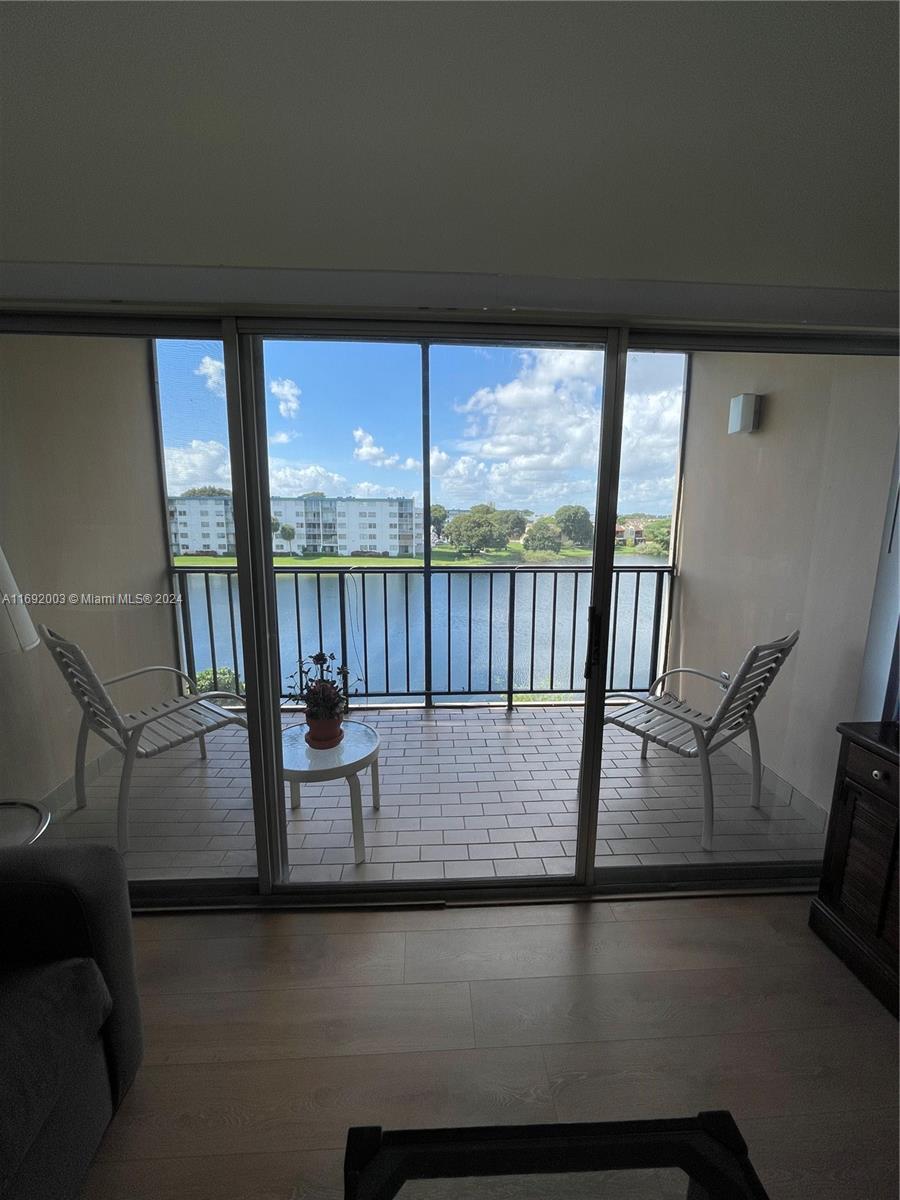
[[292, 479], [196, 464], [376, 456], [546, 419], [530, 442], [203, 463], [368, 490], [287, 393], [282, 438], [651, 424], [533, 441], [214, 372], [440, 460]]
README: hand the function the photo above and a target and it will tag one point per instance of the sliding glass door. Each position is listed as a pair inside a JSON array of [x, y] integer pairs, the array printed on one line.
[[514, 439], [484, 538], [344, 471], [430, 513], [633, 818], [784, 524]]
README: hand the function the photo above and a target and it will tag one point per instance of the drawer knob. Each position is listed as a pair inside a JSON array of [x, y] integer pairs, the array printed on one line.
[[878, 775]]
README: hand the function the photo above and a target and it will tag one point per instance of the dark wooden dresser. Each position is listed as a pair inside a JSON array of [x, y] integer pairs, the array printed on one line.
[[855, 911]]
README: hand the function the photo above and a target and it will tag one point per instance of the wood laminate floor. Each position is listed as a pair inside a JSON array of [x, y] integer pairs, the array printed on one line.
[[267, 1035]]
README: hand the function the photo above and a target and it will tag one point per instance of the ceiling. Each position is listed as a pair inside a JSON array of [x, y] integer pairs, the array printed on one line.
[[734, 143]]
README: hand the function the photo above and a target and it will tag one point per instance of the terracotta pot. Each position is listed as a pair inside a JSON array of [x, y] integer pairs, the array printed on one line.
[[324, 732]]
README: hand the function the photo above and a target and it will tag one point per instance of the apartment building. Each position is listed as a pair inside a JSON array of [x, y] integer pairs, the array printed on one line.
[[346, 525], [322, 525], [201, 525]]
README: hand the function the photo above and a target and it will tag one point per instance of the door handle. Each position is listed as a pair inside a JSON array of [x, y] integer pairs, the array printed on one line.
[[592, 658]]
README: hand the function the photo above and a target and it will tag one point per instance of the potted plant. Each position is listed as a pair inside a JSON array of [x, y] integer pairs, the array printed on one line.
[[316, 686]]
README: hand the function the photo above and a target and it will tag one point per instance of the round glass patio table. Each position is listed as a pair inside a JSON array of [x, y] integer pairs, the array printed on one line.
[[358, 749]]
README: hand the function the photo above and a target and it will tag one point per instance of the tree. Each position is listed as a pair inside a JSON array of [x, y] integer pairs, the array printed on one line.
[[288, 533], [575, 522], [654, 549], [439, 517], [498, 522], [207, 490], [473, 532], [659, 531], [311, 495], [499, 538], [275, 524], [513, 521], [544, 534]]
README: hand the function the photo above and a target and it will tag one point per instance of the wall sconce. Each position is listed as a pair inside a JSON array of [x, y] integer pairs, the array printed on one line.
[[745, 413]]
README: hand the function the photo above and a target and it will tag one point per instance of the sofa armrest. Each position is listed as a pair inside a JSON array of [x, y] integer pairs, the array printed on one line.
[[70, 902]]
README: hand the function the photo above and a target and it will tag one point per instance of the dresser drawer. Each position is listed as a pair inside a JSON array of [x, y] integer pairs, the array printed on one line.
[[878, 775]]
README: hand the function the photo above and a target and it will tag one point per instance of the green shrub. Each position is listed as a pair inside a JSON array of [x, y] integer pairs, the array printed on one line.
[[226, 681]]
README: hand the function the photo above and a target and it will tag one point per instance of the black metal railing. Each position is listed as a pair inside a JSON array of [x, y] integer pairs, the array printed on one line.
[[485, 633]]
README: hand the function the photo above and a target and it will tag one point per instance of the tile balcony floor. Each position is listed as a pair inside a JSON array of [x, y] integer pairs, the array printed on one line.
[[466, 793]]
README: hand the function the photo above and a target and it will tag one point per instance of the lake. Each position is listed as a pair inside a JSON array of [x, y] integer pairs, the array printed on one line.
[[470, 622]]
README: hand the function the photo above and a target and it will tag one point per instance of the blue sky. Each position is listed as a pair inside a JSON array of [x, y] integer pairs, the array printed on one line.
[[516, 426]]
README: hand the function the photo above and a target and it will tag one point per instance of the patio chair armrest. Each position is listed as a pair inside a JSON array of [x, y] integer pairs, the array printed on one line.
[[146, 670], [226, 695], [629, 696], [717, 680]]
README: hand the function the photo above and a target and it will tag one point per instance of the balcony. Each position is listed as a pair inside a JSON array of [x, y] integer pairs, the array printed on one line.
[[479, 772], [466, 793]]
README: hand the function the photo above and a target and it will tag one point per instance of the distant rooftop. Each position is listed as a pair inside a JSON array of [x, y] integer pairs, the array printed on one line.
[[356, 499]]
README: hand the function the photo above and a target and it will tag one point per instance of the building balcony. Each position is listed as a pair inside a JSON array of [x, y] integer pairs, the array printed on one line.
[[479, 771], [466, 793]]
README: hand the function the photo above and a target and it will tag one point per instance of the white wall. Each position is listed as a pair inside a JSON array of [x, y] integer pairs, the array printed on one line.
[[714, 142], [80, 511], [781, 529]]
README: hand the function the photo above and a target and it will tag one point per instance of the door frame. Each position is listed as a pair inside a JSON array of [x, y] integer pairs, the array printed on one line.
[[245, 375], [220, 322], [600, 610]]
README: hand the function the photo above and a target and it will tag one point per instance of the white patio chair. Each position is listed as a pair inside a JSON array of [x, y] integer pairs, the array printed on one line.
[[673, 724], [142, 734]]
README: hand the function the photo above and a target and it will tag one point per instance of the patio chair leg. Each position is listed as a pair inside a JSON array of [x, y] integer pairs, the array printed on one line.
[[202, 740], [756, 765], [124, 789], [706, 836], [376, 786], [644, 743], [80, 793]]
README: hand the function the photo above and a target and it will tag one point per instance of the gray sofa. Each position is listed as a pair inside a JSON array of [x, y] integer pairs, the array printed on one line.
[[70, 1026]]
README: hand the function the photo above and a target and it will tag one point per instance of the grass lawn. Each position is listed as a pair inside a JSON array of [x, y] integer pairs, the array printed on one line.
[[440, 556]]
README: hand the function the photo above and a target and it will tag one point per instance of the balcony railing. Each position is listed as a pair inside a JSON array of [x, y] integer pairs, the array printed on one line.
[[513, 633]]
